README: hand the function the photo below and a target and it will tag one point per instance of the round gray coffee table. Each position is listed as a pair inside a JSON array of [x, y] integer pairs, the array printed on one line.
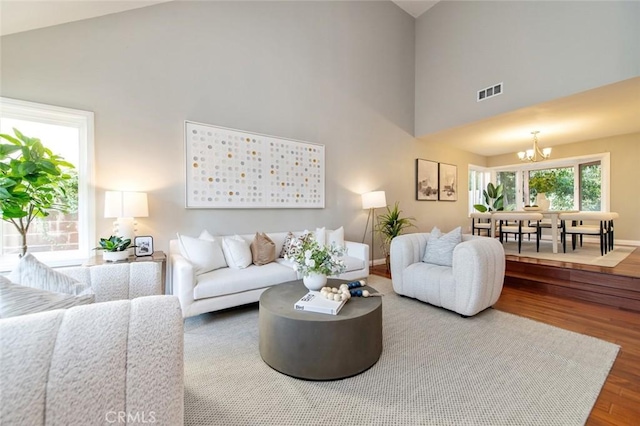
[[315, 346]]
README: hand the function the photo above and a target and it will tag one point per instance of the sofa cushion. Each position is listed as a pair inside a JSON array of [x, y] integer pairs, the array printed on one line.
[[430, 282], [31, 272], [440, 247], [321, 235], [336, 237], [204, 255], [263, 249], [228, 281], [287, 244], [352, 263], [17, 299], [237, 252]]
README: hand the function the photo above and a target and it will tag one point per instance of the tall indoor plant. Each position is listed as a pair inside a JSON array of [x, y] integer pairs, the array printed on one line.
[[390, 225], [493, 198], [33, 182]]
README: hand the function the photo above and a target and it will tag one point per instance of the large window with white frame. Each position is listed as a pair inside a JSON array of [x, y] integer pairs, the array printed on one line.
[[59, 239], [577, 183]]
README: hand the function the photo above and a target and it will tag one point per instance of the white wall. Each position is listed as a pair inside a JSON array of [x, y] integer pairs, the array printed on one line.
[[541, 50], [336, 73]]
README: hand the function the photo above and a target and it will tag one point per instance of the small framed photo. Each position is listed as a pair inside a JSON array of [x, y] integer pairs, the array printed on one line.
[[448, 180], [426, 180], [144, 246]]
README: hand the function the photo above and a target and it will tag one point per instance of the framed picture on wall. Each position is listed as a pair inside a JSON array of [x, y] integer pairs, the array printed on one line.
[[426, 180], [144, 246], [448, 182]]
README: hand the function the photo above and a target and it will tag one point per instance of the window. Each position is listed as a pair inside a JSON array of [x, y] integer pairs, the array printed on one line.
[[509, 193], [59, 239], [558, 185], [478, 180], [590, 191], [578, 183]]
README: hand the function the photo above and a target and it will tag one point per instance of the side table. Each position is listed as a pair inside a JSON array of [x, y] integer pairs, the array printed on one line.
[[128, 279]]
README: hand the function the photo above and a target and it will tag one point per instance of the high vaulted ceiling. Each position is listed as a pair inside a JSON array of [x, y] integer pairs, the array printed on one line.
[[598, 113], [25, 15]]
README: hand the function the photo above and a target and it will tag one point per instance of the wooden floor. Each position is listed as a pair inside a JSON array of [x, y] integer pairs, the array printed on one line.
[[619, 400], [617, 286]]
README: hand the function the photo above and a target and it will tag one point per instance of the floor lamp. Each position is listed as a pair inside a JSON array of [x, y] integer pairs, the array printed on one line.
[[372, 200]]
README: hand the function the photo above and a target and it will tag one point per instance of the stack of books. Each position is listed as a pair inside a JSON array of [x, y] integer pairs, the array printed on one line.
[[315, 302]]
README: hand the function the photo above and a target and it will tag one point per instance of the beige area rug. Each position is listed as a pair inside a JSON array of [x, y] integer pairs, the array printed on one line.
[[436, 368], [588, 254]]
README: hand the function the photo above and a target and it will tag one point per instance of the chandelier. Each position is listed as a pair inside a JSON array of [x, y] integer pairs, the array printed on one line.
[[532, 154]]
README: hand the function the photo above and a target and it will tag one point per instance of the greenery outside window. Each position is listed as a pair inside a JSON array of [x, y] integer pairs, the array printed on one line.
[[577, 183], [509, 192], [60, 239]]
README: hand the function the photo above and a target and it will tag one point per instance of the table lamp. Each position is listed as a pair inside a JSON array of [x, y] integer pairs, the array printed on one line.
[[125, 206]]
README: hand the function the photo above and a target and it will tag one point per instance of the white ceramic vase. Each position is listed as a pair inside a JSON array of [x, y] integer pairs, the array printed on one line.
[[314, 281], [114, 256], [542, 201]]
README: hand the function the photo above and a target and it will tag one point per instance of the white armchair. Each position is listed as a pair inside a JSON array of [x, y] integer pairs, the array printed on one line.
[[470, 285]]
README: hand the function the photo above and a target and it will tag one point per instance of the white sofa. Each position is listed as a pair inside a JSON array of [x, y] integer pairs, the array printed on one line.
[[472, 284], [118, 281], [227, 287], [106, 363]]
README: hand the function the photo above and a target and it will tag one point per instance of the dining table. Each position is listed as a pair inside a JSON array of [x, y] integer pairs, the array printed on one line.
[[550, 214]]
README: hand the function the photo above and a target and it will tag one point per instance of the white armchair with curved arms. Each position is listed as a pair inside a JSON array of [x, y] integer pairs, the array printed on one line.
[[472, 284]]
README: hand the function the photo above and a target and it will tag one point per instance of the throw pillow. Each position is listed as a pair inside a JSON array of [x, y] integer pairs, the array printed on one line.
[[263, 249], [287, 244], [336, 237], [204, 255], [32, 273], [236, 252], [205, 235], [440, 247], [21, 300], [321, 235]]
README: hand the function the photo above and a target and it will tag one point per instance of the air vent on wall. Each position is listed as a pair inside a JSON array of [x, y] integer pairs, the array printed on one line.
[[490, 92]]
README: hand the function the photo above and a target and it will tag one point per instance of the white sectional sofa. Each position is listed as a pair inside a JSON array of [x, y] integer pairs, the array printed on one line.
[[105, 363], [227, 287]]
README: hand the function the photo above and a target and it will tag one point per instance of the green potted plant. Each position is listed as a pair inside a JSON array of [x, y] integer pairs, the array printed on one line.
[[493, 198], [390, 225], [33, 182], [315, 261], [539, 185], [114, 248]]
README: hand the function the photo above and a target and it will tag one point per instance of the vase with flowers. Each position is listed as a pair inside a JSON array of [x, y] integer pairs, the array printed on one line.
[[315, 261]]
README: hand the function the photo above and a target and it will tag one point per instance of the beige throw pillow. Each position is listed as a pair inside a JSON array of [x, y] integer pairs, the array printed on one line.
[[263, 249]]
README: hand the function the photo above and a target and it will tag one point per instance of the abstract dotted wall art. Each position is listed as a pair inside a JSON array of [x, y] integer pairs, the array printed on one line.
[[227, 168]]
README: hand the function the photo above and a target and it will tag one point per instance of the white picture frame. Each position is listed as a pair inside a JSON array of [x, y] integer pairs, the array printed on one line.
[[230, 169], [143, 246]]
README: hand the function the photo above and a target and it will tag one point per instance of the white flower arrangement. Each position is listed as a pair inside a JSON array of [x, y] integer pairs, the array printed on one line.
[[309, 256]]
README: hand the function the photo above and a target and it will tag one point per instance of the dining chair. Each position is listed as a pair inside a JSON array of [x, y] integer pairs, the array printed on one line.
[[597, 223], [519, 224], [480, 221]]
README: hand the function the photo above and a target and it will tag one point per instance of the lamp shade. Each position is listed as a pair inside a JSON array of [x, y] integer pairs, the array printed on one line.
[[125, 204], [374, 200]]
